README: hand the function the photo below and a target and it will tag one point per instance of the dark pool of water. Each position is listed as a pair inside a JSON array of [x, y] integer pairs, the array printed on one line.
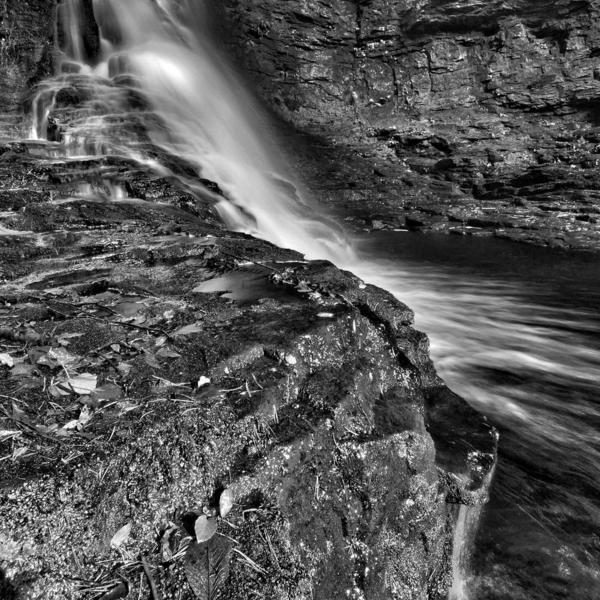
[[515, 329]]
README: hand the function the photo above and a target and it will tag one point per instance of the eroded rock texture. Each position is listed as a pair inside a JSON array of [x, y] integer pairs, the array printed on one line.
[[303, 391], [465, 116]]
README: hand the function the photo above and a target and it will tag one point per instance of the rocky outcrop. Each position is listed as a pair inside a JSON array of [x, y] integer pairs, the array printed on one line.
[[150, 359], [466, 117]]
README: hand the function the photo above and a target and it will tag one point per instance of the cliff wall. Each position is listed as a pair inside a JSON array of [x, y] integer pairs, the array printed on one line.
[[470, 117]]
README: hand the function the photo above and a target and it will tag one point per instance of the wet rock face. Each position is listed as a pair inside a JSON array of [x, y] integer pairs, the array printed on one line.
[[26, 46], [150, 359], [465, 117]]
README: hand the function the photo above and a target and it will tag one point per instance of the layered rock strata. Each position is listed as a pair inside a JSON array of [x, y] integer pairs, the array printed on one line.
[[467, 117]]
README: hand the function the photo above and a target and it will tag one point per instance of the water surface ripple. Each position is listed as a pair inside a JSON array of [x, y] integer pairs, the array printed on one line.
[[516, 331]]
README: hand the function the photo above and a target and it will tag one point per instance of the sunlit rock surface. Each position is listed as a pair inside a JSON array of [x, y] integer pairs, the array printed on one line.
[[470, 117], [140, 389]]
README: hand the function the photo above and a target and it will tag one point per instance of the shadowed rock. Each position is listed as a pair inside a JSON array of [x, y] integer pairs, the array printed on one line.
[[458, 117]]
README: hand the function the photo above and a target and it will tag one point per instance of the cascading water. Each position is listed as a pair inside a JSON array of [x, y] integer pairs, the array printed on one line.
[[157, 91], [200, 113]]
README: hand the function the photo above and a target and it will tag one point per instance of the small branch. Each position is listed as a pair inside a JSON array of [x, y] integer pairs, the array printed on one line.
[[250, 562], [31, 428], [156, 595]]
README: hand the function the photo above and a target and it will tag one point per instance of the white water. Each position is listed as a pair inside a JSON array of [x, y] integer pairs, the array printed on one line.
[[202, 115], [195, 107], [468, 517]]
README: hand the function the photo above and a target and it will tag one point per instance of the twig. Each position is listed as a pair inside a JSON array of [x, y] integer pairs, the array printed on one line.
[[228, 536], [171, 383], [30, 427], [133, 326], [256, 382], [273, 551], [250, 562], [252, 261], [156, 595]]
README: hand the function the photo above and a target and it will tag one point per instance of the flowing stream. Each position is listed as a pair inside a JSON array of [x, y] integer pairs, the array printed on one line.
[[515, 330]]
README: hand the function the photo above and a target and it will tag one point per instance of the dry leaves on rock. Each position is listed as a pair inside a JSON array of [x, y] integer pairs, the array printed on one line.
[[225, 503], [207, 566], [121, 536], [204, 528]]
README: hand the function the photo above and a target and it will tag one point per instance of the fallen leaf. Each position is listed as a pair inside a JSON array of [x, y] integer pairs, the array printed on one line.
[[207, 567], [204, 528], [63, 357], [47, 428], [225, 502], [7, 360], [203, 381], [22, 370], [39, 354], [18, 414], [167, 542], [188, 329], [161, 341], [290, 359], [84, 416], [303, 287], [120, 590], [31, 336], [125, 407], [84, 384], [19, 452], [124, 368], [166, 353], [108, 391], [60, 388], [121, 536], [128, 309], [150, 360], [81, 422]]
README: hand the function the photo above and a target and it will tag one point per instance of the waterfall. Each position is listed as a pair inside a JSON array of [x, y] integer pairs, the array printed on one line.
[[198, 110], [462, 545]]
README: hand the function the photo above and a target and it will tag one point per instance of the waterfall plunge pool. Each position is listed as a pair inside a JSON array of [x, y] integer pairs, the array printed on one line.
[[515, 330]]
